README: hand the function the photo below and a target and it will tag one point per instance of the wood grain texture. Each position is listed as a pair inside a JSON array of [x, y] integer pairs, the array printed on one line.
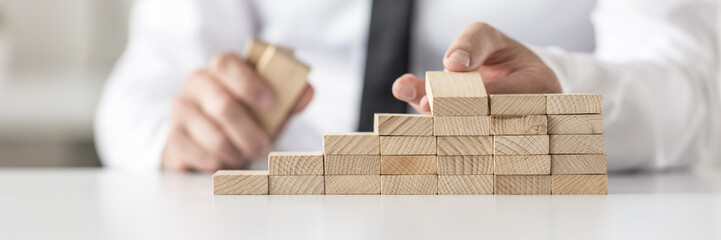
[[465, 184], [296, 185], [521, 145], [465, 165], [578, 164], [522, 165], [518, 104], [352, 144], [575, 124], [519, 125], [353, 184], [576, 144], [465, 145], [295, 163], [390, 124], [408, 164], [574, 103], [244, 182], [408, 145], [522, 185], [580, 184], [409, 184], [456, 93], [352, 164], [462, 125]]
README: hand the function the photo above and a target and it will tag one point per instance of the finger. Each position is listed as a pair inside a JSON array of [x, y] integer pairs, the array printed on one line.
[[305, 97], [242, 81], [183, 154], [410, 89], [472, 47]]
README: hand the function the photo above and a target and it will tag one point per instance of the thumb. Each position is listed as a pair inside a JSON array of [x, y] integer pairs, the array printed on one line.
[[472, 47]]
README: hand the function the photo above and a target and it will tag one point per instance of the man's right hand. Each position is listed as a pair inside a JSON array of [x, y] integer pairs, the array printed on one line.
[[212, 128]]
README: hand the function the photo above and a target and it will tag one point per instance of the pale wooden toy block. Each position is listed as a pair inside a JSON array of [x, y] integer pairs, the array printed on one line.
[[522, 165], [519, 125], [352, 144], [580, 184], [465, 165], [352, 164], [408, 145], [353, 184], [575, 124], [518, 104], [522, 185], [231, 182], [578, 164], [296, 185], [456, 93], [465, 145], [254, 49], [403, 124], [521, 145], [408, 164], [465, 184], [576, 144], [462, 125], [409, 184], [295, 163], [574, 103]]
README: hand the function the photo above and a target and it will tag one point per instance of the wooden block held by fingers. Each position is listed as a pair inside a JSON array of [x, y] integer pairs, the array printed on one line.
[[390, 124], [408, 145], [465, 184], [518, 104], [578, 164], [296, 185], [456, 93], [295, 163], [465, 145], [522, 185], [521, 145], [574, 103], [575, 124], [580, 184], [519, 125], [352, 144], [352, 164], [244, 182], [465, 165], [254, 49], [576, 144], [409, 184], [408, 164], [462, 125], [353, 184], [522, 165]]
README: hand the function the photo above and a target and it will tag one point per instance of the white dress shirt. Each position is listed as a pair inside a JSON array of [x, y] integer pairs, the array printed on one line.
[[653, 61]]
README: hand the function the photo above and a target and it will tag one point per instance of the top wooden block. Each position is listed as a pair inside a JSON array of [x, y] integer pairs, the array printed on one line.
[[573, 103], [518, 104], [360, 143], [295, 163], [254, 49], [403, 124], [456, 93]]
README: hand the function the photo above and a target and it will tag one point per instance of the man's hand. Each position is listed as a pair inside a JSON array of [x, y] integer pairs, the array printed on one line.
[[212, 128], [505, 65]]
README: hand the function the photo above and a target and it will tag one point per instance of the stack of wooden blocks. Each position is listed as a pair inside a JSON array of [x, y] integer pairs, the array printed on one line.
[[471, 144]]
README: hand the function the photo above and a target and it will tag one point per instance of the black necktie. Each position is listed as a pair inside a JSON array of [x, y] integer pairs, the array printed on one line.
[[386, 59]]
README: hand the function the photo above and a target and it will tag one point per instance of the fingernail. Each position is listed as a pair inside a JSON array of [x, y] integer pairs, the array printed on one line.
[[407, 91], [461, 56], [265, 100]]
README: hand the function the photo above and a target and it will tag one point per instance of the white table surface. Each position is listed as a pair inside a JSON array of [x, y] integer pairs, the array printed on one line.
[[103, 204]]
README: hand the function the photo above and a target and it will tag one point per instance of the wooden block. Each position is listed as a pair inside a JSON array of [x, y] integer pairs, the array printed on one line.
[[578, 164], [576, 144], [352, 164], [456, 93], [296, 185], [352, 144], [254, 49], [295, 163], [522, 185], [465, 184], [408, 164], [519, 125], [518, 104], [521, 145], [229, 182], [465, 145], [465, 165], [462, 126], [575, 124], [409, 184], [403, 124], [522, 165], [574, 103], [353, 184], [580, 184], [408, 145]]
